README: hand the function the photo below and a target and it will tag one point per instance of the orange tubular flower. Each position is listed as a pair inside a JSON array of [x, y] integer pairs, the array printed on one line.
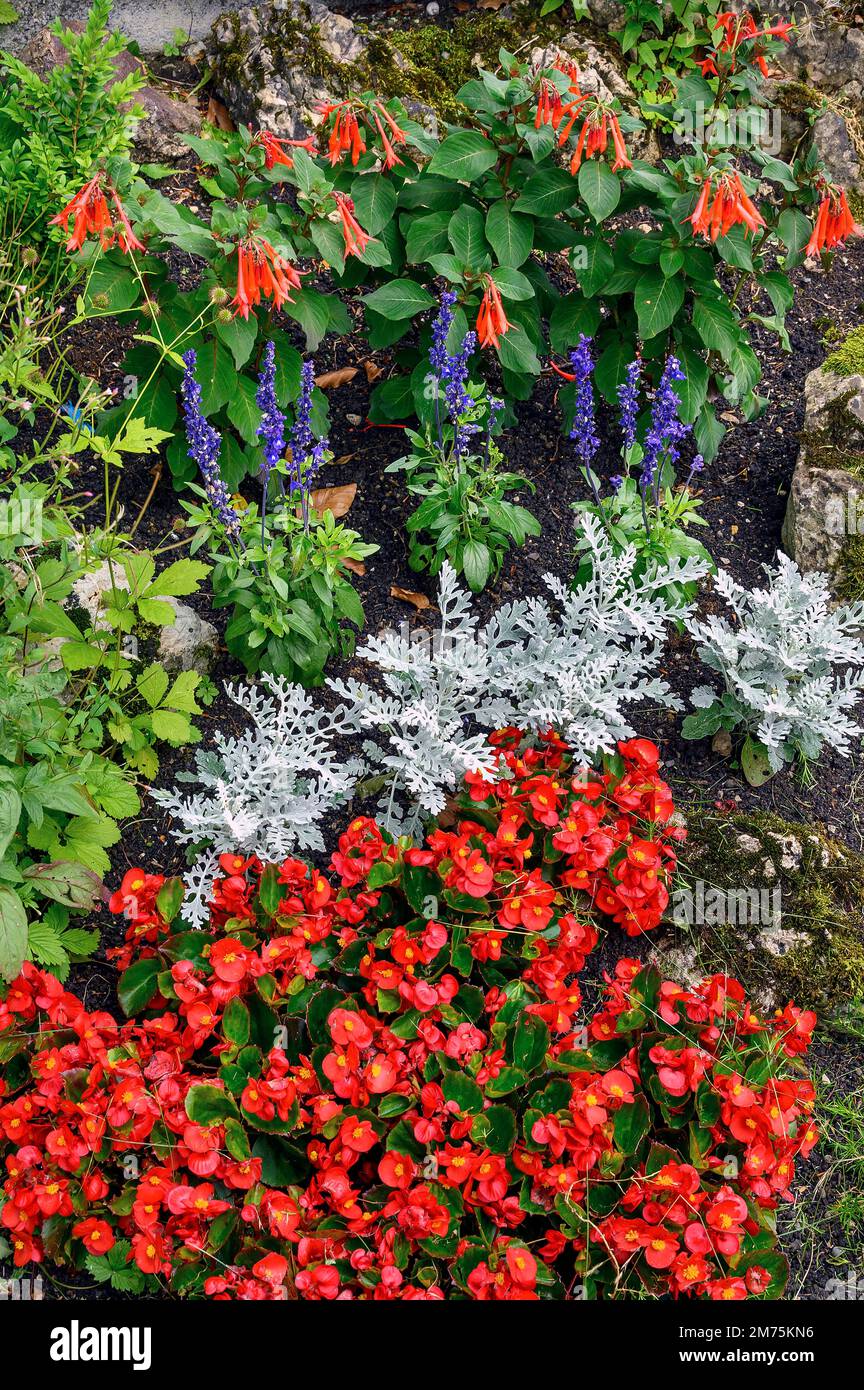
[[550, 107], [721, 207], [834, 223], [390, 155], [345, 134], [397, 134], [492, 322], [90, 213], [593, 140], [274, 148], [738, 29], [356, 240], [262, 273]]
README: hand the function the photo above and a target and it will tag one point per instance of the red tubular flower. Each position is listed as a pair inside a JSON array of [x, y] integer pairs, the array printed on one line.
[[492, 322], [262, 272], [550, 107], [722, 206], [274, 148], [345, 131], [598, 126], [346, 134], [90, 213], [834, 223], [396, 136], [356, 240], [742, 28]]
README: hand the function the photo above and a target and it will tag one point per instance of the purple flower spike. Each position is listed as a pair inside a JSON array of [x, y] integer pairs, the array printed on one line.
[[205, 444], [272, 427], [584, 430], [307, 452], [666, 430], [628, 399], [451, 374]]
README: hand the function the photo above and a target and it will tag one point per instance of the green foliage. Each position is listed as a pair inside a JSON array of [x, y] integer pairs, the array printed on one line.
[[289, 587], [464, 515], [80, 717], [661, 42], [55, 130]]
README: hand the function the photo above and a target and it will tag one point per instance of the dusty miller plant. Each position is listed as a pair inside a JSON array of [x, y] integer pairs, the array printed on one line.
[[571, 663], [267, 791], [777, 663]]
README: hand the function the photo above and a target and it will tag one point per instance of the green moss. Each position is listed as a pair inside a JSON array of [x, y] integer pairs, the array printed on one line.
[[798, 97], [847, 581], [856, 204], [848, 358], [430, 63], [821, 898], [426, 63]]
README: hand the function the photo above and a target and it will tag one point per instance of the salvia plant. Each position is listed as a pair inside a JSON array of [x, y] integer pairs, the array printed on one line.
[[455, 468], [281, 566], [778, 665], [643, 505]]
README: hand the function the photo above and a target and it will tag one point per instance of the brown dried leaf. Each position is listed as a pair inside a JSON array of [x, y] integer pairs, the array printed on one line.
[[337, 378], [356, 566], [334, 499], [219, 115], [420, 601], [373, 371]]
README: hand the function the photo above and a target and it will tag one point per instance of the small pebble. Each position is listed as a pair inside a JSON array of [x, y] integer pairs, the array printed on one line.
[[433, 8]]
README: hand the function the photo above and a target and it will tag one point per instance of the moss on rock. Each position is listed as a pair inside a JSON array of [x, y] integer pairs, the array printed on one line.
[[424, 64], [848, 358], [812, 950]]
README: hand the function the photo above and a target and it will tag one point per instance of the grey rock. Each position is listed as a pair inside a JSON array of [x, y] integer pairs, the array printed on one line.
[[791, 849], [679, 961], [822, 53], [778, 940], [834, 144], [191, 644], [267, 81], [608, 14], [823, 498], [747, 844], [151, 26], [91, 591]]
